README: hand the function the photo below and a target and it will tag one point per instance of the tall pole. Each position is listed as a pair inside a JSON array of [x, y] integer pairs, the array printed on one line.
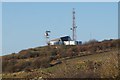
[[47, 36], [74, 26]]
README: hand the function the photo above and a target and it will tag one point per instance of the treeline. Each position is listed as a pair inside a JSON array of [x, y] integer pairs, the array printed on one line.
[[40, 57]]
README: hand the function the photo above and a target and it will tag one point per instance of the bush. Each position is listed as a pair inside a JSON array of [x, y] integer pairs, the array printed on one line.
[[8, 66], [27, 69], [72, 52], [41, 62], [93, 41]]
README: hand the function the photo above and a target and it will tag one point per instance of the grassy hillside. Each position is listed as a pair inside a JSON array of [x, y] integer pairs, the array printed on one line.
[[90, 60], [103, 65]]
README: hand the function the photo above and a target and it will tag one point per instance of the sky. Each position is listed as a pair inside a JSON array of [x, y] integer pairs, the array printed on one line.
[[0, 28], [24, 23], [119, 20], [59, 0]]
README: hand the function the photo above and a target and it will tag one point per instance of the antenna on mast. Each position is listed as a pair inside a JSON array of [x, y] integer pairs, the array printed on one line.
[[47, 36], [74, 26]]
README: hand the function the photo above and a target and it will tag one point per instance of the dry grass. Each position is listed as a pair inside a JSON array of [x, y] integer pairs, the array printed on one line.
[[103, 65]]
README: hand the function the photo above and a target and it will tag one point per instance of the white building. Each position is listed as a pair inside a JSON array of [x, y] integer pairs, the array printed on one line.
[[66, 40]]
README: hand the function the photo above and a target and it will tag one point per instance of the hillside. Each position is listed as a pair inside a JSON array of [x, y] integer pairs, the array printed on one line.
[[90, 60]]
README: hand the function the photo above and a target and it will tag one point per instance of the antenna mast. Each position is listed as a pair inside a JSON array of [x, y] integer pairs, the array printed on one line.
[[74, 27]]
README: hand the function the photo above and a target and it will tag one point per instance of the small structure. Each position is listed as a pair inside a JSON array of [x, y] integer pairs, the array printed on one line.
[[47, 36], [66, 40]]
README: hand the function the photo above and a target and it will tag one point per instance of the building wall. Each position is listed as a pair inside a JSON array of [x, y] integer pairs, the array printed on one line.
[[70, 42], [56, 43], [65, 42]]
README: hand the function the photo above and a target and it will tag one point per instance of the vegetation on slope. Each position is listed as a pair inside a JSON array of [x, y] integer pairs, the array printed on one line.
[[103, 65], [35, 62]]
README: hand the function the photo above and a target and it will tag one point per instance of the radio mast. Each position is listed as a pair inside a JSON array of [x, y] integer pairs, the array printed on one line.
[[74, 27]]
